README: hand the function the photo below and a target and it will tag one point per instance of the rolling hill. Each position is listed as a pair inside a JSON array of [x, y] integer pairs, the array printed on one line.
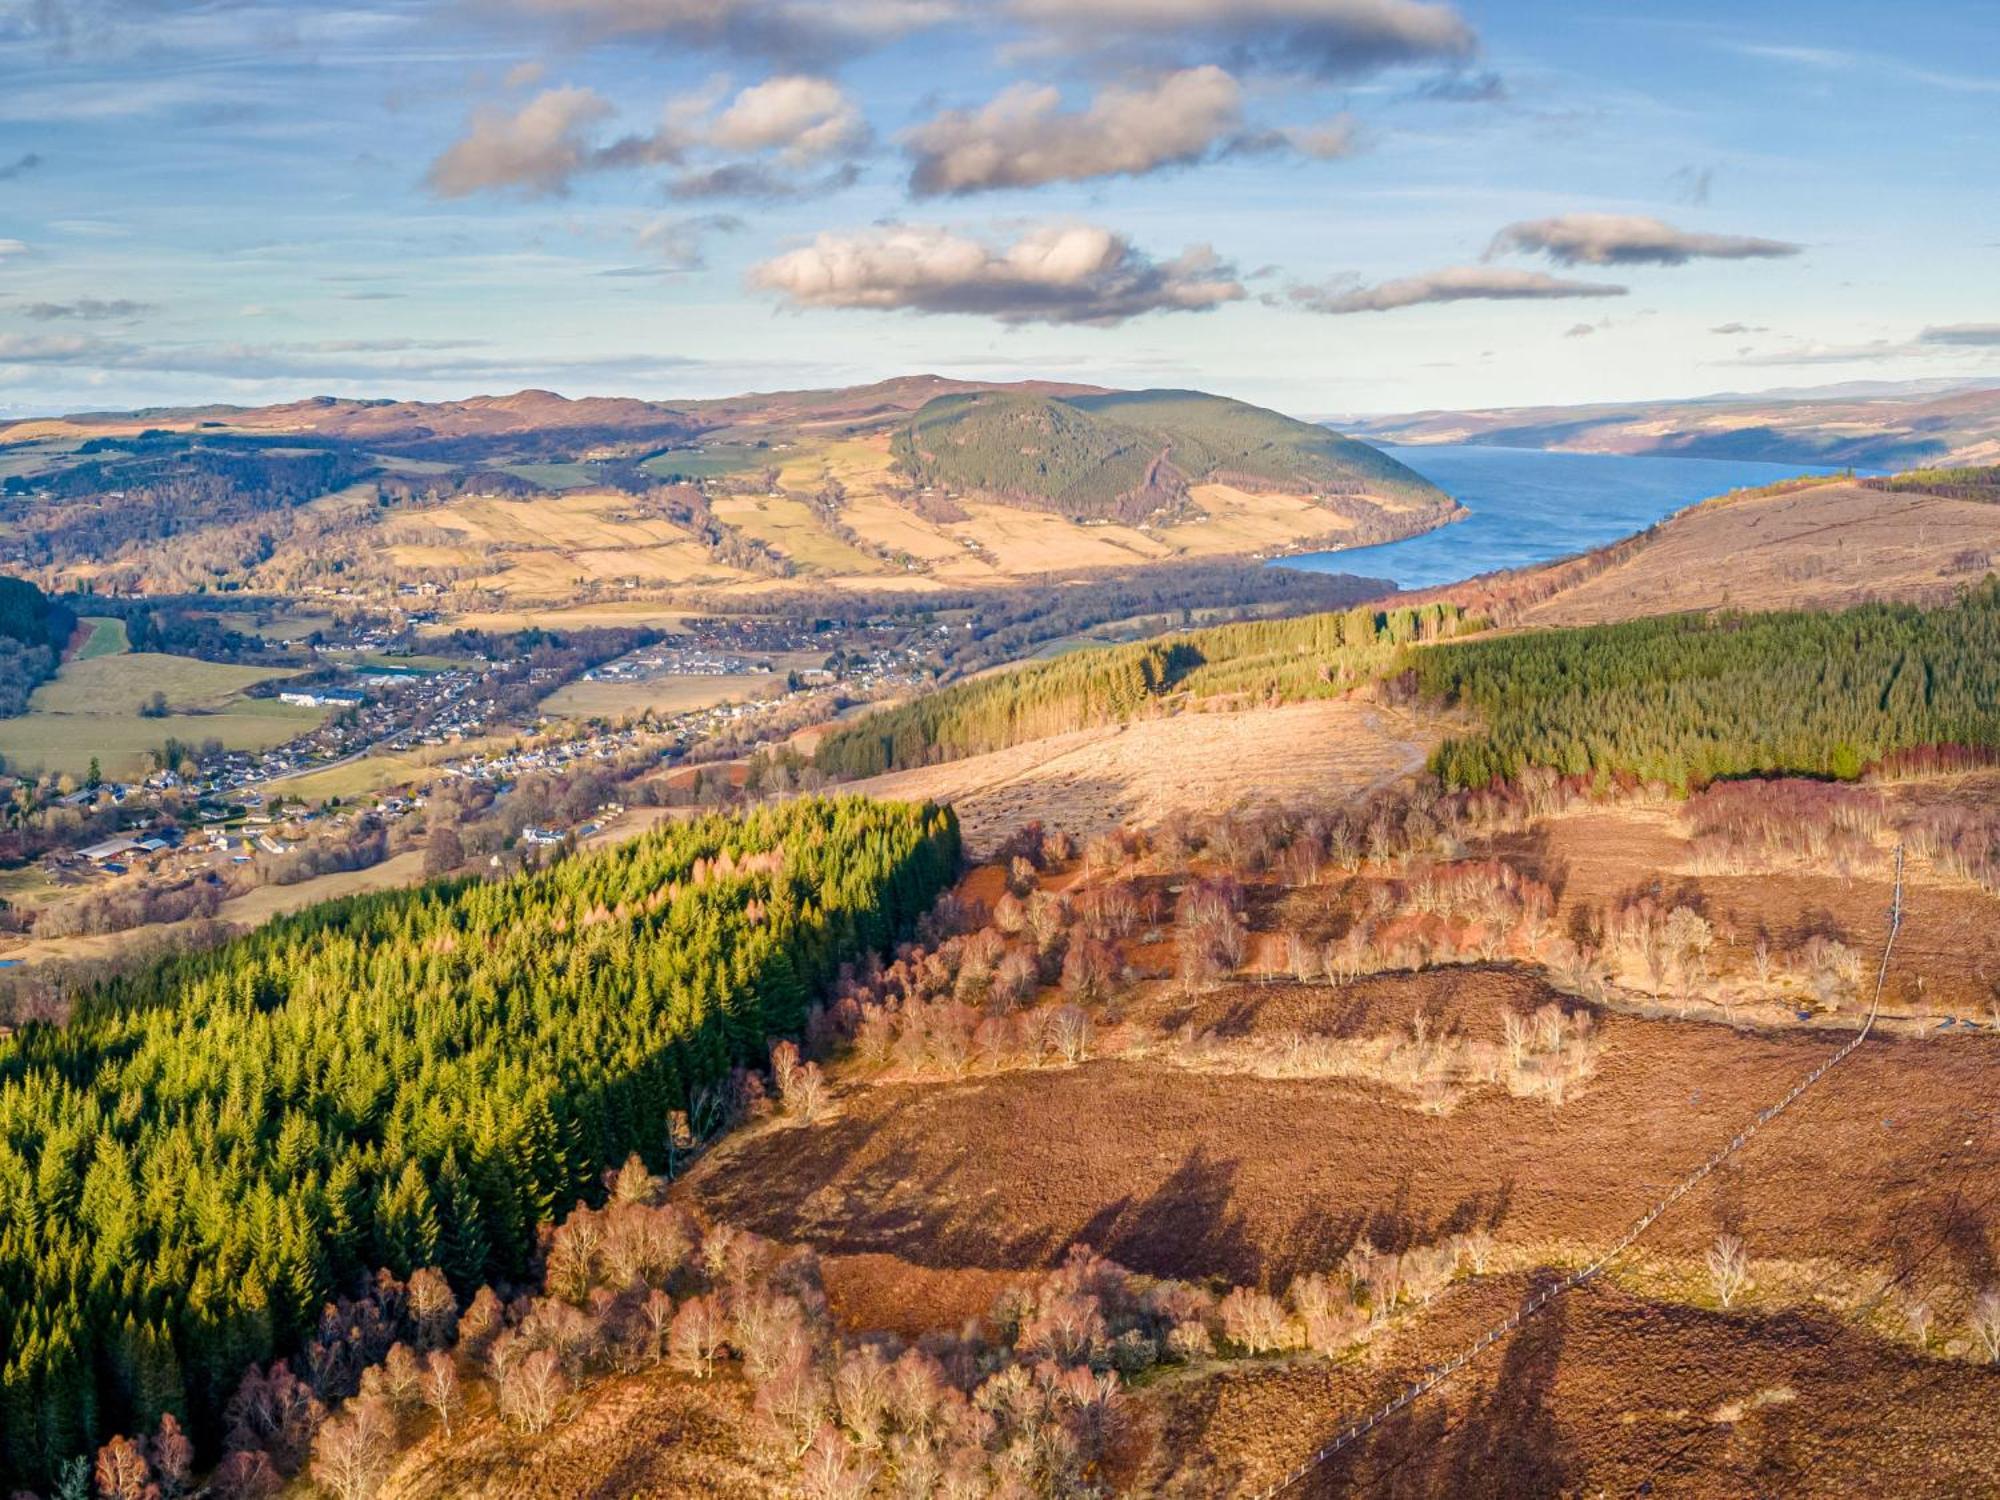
[[1132, 456], [913, 484], [1868, 429]]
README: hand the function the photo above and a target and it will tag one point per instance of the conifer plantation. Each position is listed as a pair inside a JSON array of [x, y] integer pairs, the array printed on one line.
[[1690, 699], [214, 1147]]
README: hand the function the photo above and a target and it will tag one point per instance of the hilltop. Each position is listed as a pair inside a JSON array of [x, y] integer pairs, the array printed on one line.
[[1134, 456]]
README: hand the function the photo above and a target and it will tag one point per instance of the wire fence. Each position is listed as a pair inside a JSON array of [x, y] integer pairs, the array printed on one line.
[[1437, 1375]]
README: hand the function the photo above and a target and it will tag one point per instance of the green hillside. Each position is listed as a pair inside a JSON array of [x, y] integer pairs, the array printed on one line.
[[1132, 455]]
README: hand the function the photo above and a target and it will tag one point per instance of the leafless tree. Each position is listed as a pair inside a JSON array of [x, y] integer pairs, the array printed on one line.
[[1985, 1322], [532, 1391], [1918, 1314], [698, 1334], [173, 1457], [1728, 1267], [433, 1308], [832, 1471], [122, 1472], [1070, 1032], [354, 1451], [441, 1388], [1302, 957]]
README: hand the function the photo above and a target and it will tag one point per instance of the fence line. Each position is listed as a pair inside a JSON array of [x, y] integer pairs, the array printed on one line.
[[1437, 1375]]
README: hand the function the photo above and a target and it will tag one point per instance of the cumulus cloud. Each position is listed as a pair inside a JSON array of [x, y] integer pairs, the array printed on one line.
[[1332, 38], [1963, 335], [1739, 328], [1076, 274], [1628, 240], [86, 309], [1454, 284], [802, 119], [1579, 330], [1024, 137], [793, 121], [537, 149]]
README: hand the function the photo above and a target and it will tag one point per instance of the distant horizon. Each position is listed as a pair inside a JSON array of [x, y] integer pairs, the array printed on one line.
[[1851, 390]]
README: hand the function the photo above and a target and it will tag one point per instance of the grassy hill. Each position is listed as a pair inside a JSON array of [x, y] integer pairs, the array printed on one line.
[[1133, 455], [1871, 430]]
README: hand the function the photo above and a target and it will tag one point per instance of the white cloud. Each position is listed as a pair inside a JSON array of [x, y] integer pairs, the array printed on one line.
[[537, 149], [1053, 274], [791, 121], [1024, 137], [800, 118], [1628, 240], [1454, 284]]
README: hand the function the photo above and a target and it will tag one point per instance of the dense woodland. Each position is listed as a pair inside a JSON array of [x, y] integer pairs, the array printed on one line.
[[216, 1146], [33, 630], [1686, 700], [1261, 660]]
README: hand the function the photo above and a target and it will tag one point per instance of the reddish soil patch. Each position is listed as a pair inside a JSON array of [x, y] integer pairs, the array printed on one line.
[[1603, 1393], [885, 1294]]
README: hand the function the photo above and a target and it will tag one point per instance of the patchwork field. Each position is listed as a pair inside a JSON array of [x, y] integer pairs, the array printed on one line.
[[90, 710], [662, 695]]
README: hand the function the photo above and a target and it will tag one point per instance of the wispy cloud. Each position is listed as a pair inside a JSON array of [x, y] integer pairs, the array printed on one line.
[[1454, 284], [87, 310], [1586, 239]]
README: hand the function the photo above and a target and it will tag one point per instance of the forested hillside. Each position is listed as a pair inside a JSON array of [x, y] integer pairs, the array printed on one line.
[[1261, 660], [33, 629], [1691, 699], [1132, 455], [212, 1149]]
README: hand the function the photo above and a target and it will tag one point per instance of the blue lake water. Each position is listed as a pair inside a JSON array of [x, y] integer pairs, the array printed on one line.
[[1529, 506]]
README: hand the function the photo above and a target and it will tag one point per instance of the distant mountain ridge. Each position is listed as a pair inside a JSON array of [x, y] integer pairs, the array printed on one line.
[[1838, 426], [528, 423]]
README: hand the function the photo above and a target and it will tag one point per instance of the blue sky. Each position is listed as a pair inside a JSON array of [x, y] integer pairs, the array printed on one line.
[[1323, 205]]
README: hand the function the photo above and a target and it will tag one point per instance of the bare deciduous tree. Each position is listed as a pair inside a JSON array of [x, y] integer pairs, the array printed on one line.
[[354, 1451], [1728, 1267], [1985, 1323], [532, 1390], [441, 1387]]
